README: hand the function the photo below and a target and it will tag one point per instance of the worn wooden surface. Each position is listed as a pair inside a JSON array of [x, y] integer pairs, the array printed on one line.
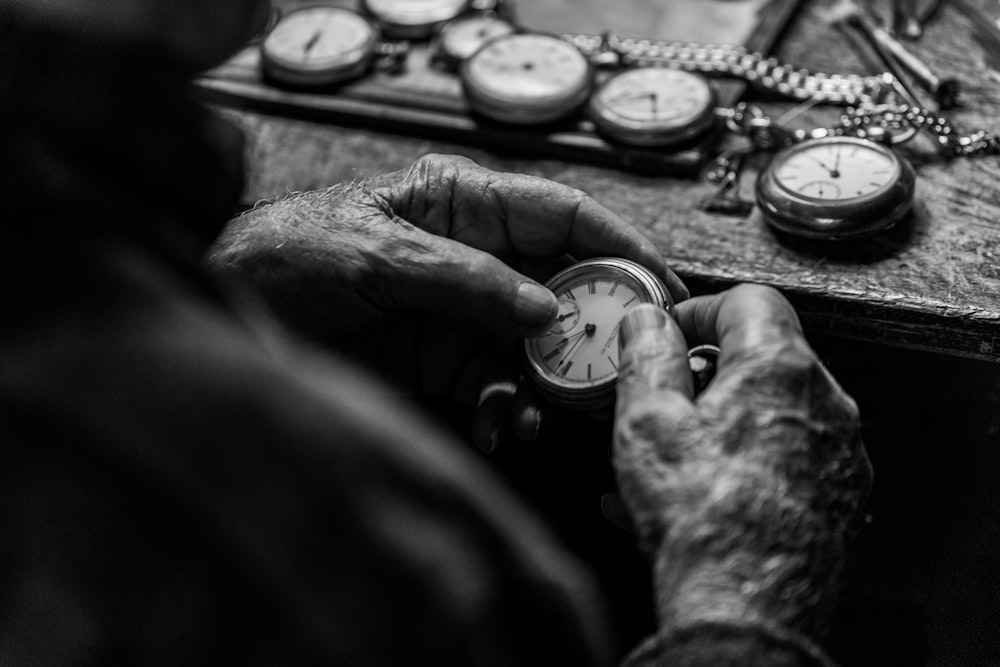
[[931, 283]]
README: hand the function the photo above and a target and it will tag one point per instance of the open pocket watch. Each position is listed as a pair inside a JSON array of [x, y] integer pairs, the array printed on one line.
[[653, 107], [575, 364], [835, 188], [323, 45], [840, 183]]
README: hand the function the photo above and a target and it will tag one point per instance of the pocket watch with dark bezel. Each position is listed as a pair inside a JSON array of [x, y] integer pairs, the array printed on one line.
[[835, 188]]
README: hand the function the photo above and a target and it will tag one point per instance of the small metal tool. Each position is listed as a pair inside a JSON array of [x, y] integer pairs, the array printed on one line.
[[897, 59], [944, 90]]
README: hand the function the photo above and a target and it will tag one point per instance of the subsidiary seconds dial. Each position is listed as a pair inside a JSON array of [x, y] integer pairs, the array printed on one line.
[[835, 188]]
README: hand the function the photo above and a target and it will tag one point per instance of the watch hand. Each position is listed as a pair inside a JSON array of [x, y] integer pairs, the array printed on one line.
[[628, 97], [820, 163], [567, 360], [835, 173], [307, 47]]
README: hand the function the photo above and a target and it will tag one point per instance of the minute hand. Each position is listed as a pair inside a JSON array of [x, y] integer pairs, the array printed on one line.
[[567, 359]]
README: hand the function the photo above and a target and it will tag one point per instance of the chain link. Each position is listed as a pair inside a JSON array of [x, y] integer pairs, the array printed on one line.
[[732, 61]]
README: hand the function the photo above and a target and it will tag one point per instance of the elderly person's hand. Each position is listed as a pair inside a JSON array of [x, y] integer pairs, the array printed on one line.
[[428, 274], [747, 496]]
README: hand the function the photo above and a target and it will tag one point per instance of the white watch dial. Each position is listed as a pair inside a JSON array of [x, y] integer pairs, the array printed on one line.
[[587, 353], [837, 171], [656, 95]]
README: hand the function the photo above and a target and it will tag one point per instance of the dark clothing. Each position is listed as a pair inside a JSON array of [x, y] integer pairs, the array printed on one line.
[[180, 482]]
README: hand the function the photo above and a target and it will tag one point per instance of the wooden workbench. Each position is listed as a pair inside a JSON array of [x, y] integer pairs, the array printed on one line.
[[931, 283]]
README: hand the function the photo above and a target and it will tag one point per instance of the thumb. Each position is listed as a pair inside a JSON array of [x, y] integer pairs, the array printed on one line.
[[473, 287], [653, 356]]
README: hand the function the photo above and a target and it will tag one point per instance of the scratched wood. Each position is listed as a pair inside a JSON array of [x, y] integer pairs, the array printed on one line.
[[931, 283]]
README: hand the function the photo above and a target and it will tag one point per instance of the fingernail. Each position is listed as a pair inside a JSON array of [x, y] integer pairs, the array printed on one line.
[[534, 305], [642, 317]]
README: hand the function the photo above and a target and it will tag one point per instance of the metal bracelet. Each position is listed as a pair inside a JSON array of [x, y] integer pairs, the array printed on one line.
[[732, 61]]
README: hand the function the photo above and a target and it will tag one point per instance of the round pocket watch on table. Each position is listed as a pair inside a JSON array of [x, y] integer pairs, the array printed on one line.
[[526, 78], [653, 107], [413, 19], [835, 188], [319, 46], [575, 365], [457, 40]]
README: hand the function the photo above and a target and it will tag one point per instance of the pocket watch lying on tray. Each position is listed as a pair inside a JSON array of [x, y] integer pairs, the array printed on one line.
[[653, 107], [323, 45], [526, 78]]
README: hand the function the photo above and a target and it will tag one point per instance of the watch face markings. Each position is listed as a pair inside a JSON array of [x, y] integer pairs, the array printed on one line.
[[613, 364], [592, 286], [589, 371], [629, 302], [569, 295], [614, 286]]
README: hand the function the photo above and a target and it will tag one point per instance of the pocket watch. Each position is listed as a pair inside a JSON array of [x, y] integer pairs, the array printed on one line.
[[653, 107], [835, 187], [575, 364], [412, 19], [526, 78], [317, 46], [457, 40]]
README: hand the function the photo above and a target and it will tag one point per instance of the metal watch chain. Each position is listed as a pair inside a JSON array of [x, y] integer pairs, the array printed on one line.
[[867, 115]]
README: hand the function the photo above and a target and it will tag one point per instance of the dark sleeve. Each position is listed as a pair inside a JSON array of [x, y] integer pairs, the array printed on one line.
[[176, 500]]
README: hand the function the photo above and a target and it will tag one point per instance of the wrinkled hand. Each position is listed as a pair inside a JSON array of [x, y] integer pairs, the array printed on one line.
[[748, 496], [422, 272]]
